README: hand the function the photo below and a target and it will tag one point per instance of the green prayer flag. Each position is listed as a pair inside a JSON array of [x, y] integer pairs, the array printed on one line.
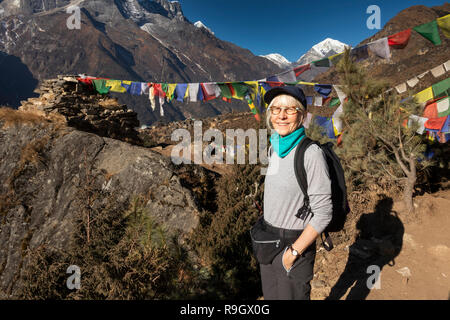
[[225, 90], [334, 102], [325, 62], [240, 90], [100, 86], [441, 88], [429, 31]]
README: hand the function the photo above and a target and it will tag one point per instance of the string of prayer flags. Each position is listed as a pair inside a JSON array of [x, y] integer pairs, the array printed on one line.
[[444, 25], [429, 31], [400, 39]]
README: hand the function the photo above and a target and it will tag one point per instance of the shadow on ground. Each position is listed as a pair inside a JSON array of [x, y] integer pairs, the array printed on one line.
[[380, 240]]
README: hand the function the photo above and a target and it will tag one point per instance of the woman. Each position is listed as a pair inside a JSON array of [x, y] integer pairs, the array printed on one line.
[[290, 272]]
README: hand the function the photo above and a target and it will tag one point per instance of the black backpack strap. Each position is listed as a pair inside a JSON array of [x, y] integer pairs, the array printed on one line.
[[327, 243], [300, 174]]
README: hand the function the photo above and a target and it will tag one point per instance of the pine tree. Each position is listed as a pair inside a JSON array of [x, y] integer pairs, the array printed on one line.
[[378, 143]]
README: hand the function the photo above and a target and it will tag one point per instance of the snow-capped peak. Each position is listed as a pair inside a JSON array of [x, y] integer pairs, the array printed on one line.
[[278, 59], [323, 49], [327, 45], [200, 24]]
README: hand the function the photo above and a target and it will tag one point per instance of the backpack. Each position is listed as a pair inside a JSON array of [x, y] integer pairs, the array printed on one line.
[[338, 188]]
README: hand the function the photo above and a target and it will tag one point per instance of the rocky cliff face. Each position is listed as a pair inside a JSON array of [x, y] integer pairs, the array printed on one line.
[[128, 40], [50, 174]]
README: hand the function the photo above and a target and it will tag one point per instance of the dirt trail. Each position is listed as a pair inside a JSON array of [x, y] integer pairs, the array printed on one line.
[[423, 257]]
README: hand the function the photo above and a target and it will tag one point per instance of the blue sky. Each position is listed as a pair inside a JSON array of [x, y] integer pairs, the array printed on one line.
[[291, 27]]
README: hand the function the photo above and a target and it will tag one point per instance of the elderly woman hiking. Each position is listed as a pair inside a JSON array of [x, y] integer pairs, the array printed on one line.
[[284, 244]]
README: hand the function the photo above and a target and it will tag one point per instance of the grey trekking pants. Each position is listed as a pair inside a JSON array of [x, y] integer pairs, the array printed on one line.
[[278, 283]]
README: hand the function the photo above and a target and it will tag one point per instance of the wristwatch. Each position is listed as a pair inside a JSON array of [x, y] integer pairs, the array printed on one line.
[[293, 251]]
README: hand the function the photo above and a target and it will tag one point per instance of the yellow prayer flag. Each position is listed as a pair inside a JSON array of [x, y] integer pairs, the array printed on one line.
[[444, 25], [171, 90], [425, 95], [116, 86], [186, 95]]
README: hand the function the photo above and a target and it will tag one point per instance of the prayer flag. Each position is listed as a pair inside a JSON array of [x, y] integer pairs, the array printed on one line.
[[360, 53], [335, 58], [424, 96], [116, 86], [193, 92], [444, 25], [100, 86], [287, 77], [442, 107], [430, 110], [325, 62], [441, 88], [136, 88], [400, 39], [180, 91], [323, 89], [401, 88], [412, 82], [299, 70], [438, 71], [429, 31], [380, 48]]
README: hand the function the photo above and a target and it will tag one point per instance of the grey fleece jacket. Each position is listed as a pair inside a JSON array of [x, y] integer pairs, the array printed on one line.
[[283, 196]]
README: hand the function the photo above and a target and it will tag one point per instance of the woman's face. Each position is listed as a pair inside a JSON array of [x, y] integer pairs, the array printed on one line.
[[284, 123]]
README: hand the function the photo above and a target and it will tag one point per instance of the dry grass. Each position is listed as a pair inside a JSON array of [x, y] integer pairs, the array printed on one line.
[[32, 117]]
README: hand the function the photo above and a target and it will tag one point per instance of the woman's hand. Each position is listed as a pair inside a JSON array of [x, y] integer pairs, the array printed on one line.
[[288, 259]]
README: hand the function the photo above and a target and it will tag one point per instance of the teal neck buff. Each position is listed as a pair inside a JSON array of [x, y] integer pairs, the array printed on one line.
[[283, 145]]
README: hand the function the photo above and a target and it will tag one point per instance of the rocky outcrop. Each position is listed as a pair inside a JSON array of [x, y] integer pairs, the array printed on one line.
[[84, 109], [49, 177]]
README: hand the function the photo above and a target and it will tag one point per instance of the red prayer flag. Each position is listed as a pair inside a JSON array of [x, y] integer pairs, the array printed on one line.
[[299, 70], [430, 111], [435, 124], [400, 39], [158, 90], [206, 97]]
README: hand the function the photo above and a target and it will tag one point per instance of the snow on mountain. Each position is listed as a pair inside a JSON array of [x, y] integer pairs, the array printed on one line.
[[325, 48], [281, 61], [200, 24]]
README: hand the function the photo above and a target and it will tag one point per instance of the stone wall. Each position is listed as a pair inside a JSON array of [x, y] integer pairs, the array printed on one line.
[[85, 109]]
